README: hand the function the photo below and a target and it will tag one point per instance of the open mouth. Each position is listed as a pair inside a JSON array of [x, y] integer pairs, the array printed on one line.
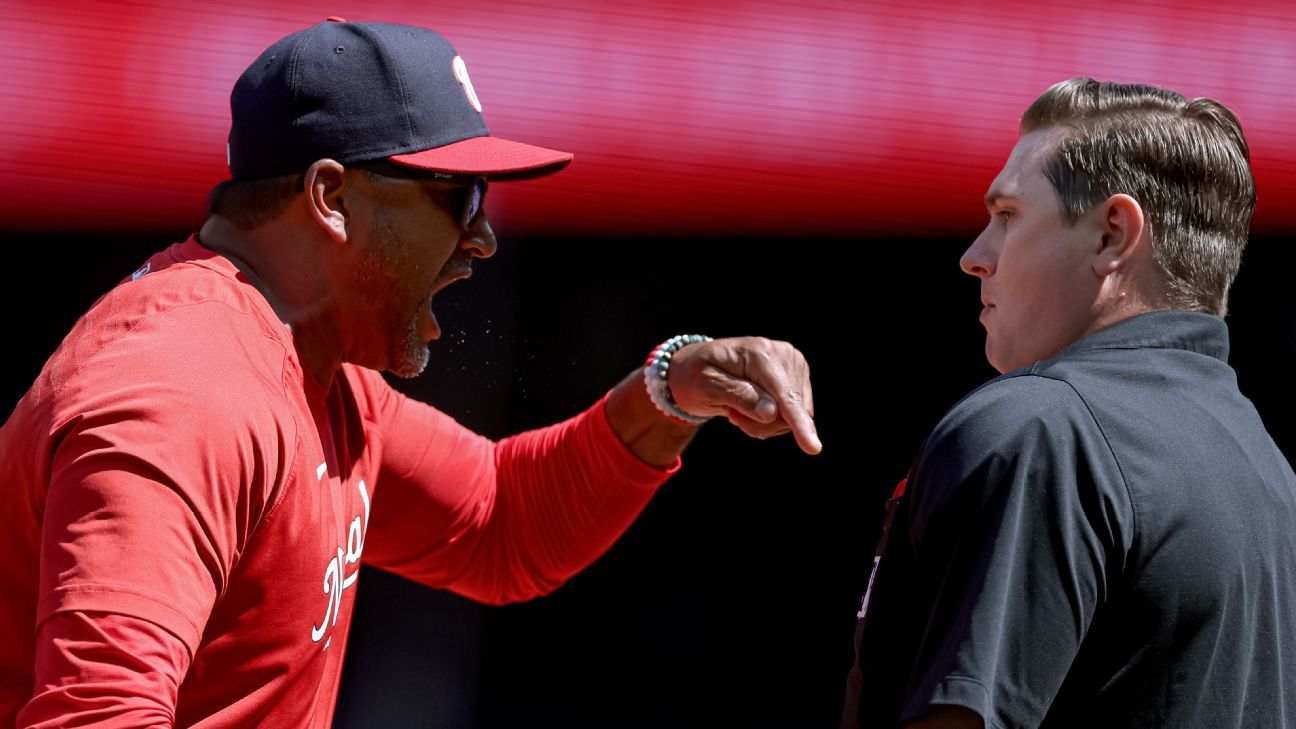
[[450, 277], [432, 328]]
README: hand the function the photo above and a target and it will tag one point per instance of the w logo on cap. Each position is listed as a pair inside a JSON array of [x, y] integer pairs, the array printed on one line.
[[461, 73]]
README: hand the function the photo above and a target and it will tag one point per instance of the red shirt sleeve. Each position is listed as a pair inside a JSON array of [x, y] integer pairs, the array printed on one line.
[[164, 465], [499, 522], [104, 670]]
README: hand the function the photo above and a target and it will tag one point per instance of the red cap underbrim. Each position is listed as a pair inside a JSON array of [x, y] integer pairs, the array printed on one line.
[[489, 156]]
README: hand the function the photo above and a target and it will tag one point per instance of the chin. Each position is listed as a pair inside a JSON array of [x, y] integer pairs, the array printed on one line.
[[992, 358], [410, 355], [1003, 364], [410, 363]]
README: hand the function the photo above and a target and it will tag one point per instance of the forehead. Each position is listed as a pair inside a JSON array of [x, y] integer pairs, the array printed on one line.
[[1022, 177]]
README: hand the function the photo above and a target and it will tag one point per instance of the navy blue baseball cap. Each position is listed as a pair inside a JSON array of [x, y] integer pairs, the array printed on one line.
[[356, 92]]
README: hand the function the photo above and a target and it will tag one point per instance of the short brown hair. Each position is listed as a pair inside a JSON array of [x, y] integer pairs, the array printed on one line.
[[1185, 161]]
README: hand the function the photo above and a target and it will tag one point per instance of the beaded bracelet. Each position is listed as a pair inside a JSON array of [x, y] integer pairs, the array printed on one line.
[[657, 369]]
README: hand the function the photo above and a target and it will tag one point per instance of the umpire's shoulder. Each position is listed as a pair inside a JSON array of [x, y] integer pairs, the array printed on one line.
[[1007, 413], [1010, 431], [1003, 409]]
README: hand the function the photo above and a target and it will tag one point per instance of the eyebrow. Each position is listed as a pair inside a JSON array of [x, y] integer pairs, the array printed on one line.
[[995, 196]]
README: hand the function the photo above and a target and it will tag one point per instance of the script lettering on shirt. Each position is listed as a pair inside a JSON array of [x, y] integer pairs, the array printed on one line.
[[336, 578]]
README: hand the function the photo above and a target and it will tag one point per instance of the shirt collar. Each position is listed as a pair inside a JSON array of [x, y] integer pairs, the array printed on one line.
[[1187, 330]]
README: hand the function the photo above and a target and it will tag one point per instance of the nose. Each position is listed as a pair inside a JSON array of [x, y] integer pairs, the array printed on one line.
[[478, 240], [978, 259]]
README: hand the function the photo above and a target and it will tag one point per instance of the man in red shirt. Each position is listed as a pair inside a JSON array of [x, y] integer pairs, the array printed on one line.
[[198, 471]]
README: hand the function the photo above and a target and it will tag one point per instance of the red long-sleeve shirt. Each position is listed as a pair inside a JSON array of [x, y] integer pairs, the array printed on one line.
[[189, 510]]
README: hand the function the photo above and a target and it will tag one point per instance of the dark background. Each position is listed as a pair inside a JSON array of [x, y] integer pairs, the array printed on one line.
[[731, 601]]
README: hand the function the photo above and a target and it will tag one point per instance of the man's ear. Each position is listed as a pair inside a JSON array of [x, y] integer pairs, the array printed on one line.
[[1122, 227], [325, 185]]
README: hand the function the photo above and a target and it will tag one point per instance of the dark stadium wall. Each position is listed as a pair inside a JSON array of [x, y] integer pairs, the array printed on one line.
[[731, 601]]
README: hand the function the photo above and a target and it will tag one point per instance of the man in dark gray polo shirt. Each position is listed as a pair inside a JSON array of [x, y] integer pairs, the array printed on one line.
[[1105, 535]]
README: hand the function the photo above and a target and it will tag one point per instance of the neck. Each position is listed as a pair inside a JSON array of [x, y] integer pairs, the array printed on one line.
[[284, 267], [1125, 297]]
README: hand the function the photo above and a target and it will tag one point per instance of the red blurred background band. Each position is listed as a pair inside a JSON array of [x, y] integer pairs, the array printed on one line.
[[747, 118]]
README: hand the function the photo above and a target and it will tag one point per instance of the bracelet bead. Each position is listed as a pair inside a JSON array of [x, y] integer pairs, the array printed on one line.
[[656, 374]]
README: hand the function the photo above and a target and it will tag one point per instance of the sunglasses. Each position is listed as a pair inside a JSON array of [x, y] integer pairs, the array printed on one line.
[[471, 187], [472, 205]]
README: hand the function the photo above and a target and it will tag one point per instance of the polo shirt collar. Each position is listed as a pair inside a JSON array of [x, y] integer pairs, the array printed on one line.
[[1187, 330]]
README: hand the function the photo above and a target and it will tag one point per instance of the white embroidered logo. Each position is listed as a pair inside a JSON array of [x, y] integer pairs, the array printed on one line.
[[461, 73], [336, 578]]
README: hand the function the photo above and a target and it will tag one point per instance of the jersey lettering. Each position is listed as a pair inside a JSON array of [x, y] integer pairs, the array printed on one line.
[[336, 579]]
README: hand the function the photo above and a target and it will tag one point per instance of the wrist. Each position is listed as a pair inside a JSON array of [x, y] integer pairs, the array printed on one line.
[[656, 377]]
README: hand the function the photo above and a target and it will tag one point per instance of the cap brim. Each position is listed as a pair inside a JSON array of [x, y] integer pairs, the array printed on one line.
[[489, 156]]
